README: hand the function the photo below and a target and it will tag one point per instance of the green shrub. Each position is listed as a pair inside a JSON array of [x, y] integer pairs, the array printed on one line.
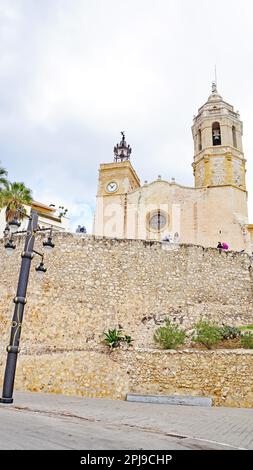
[[229, 332], [169, 336], [247, 340], [246, 327], [207, 333]]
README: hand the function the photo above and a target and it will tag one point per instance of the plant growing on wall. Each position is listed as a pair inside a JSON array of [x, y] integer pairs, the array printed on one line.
[[169, 336], [127, 339], [207, 333], [246, 327], [62, 212], [113, 338], [230, 332], [247, 340]]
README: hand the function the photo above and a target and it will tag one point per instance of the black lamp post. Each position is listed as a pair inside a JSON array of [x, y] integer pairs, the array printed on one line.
[[20, 301]]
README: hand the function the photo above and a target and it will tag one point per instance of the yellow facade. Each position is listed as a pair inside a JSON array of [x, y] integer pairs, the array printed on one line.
[[122, 174]]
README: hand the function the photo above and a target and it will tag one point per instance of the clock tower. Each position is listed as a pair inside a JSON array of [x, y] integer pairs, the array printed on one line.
[[116, 180]]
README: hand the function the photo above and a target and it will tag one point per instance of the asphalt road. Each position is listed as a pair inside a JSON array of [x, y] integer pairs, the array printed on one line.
[[40, 421]]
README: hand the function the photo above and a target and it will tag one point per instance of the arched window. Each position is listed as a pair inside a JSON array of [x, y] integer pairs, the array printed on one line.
[[234, 137], [216, 133], [199, 140]]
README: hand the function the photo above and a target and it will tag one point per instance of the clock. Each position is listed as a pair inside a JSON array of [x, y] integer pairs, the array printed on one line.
[[111, 187]]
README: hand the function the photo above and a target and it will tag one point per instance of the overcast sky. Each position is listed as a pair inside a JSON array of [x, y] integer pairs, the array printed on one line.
[[74, 73]]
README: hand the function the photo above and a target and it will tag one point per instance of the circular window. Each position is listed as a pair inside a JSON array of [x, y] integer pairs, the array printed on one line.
[[157, 220]]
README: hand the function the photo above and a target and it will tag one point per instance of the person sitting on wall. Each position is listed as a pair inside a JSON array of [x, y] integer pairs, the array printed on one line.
[[222, 246], [176, 237], [166, 238], [225, 246]]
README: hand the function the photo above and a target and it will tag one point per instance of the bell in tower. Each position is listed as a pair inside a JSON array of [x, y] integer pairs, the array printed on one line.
[[216, 133], [122, 151]]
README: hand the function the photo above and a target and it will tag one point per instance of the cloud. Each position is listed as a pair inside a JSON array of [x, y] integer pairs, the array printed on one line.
[[74, 74]]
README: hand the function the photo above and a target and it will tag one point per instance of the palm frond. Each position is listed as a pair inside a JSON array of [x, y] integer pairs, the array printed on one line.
[[14, 196], [3, 179]]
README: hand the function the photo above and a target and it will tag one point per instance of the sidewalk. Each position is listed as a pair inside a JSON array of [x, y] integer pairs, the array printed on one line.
[[109, 424]]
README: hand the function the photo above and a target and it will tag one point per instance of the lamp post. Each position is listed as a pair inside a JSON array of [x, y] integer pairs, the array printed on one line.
[[20, 301]]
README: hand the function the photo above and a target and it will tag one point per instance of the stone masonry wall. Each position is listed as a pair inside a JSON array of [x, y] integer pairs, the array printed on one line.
[[95, 284], [225, 376]]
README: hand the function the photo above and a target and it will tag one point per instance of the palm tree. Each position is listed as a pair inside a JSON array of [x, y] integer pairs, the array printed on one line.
[[3, 180], [14, 196]]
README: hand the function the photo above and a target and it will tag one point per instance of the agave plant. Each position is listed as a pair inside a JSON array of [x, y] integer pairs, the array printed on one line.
[[14, 196], [113, 338]]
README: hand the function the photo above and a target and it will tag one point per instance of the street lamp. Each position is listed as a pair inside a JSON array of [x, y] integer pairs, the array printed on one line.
[[40, 269], [48, 244], [14, 225], [20, 301], [9, 246]]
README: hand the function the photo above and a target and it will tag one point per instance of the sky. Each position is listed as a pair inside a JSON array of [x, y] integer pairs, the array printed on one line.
[[75, 73]]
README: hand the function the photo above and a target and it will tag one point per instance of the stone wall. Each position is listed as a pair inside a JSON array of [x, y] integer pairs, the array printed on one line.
[[95, 284], [226, 376]]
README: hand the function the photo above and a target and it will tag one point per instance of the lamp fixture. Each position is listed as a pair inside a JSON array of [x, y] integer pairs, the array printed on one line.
[[40, 269], [48, 244], [9, 246], [14, 225]]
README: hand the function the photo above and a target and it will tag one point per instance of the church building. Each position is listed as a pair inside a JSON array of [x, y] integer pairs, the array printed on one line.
[[214, 210]]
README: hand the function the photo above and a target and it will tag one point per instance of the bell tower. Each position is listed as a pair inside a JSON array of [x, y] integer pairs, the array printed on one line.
[[218, 154], [116, 180]]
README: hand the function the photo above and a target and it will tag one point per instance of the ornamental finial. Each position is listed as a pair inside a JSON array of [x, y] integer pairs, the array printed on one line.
[[122, 151], [214, 87]]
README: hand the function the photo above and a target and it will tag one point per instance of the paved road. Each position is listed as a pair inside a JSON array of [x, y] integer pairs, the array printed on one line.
[[41, 421]]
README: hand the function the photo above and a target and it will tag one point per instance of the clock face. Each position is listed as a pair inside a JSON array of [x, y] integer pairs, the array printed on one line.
[[112, 187]]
